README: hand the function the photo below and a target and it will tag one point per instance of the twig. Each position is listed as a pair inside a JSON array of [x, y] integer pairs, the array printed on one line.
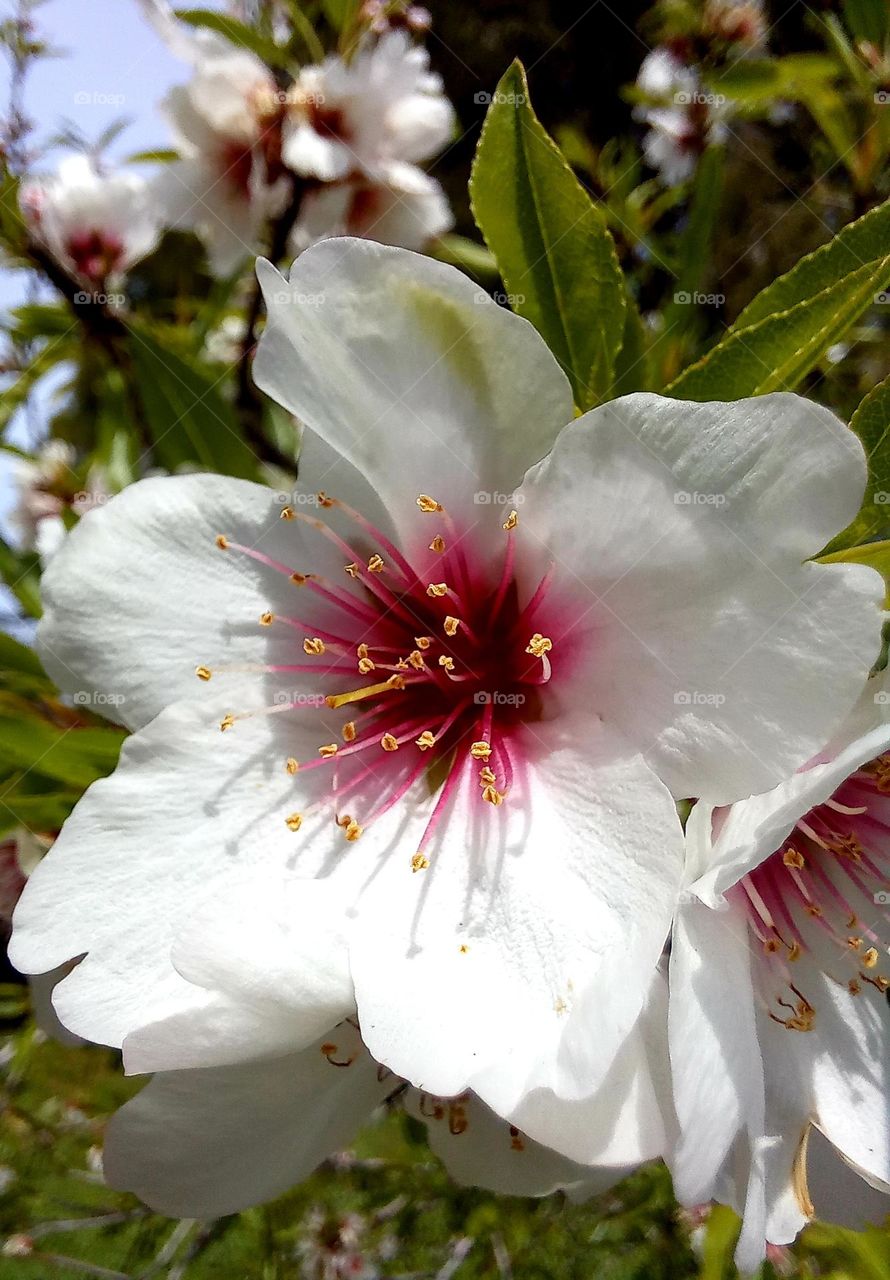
[[41, 1229], [170, 1248], [501, 1256], [76, 1264]]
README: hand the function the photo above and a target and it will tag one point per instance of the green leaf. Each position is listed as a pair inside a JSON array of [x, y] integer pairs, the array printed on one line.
[[632, 364], [472, 258], [781, 335], [551, 242], [237, 33], [868, 20], [72, 756], [871, 422], [188, 418], [20, 570], [339, 13], [860, 242]]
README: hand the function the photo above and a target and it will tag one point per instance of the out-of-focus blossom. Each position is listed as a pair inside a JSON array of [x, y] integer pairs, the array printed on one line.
[[681, 118], [409, 211], [227, 122], [94, 223], [738, 23], [46, 486]]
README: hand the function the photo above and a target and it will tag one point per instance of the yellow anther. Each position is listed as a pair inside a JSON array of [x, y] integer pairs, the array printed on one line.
[[423, 642], [389, 743], [323, 499], [854, 987], [291, 764], [446, 662], [419, 862], [376, 565], [492, 795], [438, 544], [351, 569], [348, 731], [451, 625], [539, 645], [559, 1005], [511, 522], [222, 541], [437, 589], [854, 943], [366, 666], [329, 749], [463, 948], [771, 946], [313, 646], [426, 740], [203, 673], [480, 750], [395, 682], [287, 513], [353, 831], [870, 958], [226, 722], [792, 858], [295, 821], [299, 579], [362, 651], [428, 504], [267, 618], [487, 777], [794, 950], [415, 659]]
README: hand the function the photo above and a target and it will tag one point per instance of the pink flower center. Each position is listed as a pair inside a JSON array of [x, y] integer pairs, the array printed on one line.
[[435, 674], [95, 254], [826, 894]]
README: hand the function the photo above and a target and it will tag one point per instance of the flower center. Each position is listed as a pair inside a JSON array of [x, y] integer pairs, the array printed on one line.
[[429, 675], [825, 892], [95, 254]]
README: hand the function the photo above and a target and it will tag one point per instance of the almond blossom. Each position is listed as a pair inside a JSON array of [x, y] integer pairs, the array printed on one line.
[[779, 981], [95, 223], [447, 690]]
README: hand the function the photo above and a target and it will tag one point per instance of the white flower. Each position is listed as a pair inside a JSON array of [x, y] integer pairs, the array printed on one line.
[[681, 118], [359, 117], [779, 980], [227, 127], [45, 487], [96, 224], [456, 702], [409, 211], [213, 1140]]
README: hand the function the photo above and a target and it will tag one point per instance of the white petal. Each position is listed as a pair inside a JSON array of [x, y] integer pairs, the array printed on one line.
[[140, 594], [840, 1193], [678, 532], [275, 972], [753, 829], [479, 1149], [522, 956], [411, 372], [715, 1057], [308, 153], [200, 1144], [188, 812]]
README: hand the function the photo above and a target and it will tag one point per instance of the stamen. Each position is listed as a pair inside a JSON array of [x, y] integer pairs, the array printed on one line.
[[511, 522], [480, 750], [203, 673], [419, 862], [376, 564], [426, 740], [348, 731], [291, 765], [451, 625], [335, 700], [437, 589], [389, 743], [328, 750], [314, 646], [437, 544], [222, 541], [428, 504], [295, 821]]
